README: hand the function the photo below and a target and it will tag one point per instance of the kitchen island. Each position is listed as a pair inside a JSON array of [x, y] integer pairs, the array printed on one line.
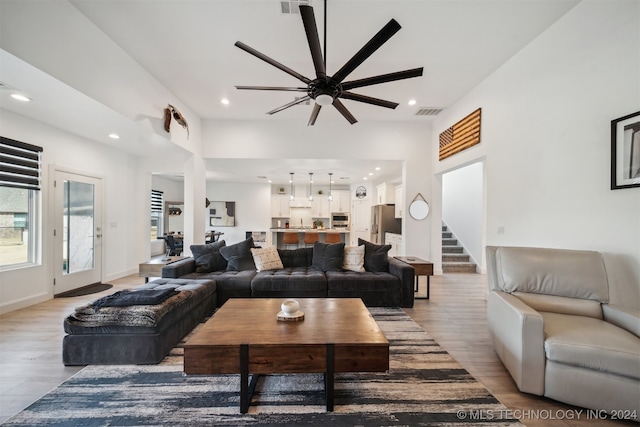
[[278, 235]]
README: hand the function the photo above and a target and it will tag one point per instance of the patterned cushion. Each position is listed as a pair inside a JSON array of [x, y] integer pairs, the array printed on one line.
[[266, 258], [353, 258]]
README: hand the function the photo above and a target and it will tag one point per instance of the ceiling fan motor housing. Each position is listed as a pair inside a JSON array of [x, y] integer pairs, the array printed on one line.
[[324, 87]]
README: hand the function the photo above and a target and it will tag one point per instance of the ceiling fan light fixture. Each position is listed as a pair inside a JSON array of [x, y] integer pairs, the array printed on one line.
[[323, 100]]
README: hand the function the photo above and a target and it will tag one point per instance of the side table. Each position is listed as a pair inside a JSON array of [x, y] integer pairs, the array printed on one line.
[[153, 267], [421, 267]]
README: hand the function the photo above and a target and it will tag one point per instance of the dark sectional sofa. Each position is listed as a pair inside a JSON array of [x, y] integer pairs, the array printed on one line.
[[305, 273]]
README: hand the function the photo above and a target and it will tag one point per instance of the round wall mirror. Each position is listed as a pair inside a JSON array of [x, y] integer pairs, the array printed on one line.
[[419, 209]]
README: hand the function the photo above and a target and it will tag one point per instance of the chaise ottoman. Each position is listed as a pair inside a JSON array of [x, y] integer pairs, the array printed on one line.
[[137, 334]]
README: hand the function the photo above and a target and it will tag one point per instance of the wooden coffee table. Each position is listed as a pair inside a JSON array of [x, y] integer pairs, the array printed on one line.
[[153, 268], [244, 336]]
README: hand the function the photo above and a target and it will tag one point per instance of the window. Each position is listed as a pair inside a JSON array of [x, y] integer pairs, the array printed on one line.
[[19, 202], [157, 218]]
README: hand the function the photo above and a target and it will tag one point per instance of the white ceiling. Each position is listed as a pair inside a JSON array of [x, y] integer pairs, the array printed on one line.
[[188, 46]]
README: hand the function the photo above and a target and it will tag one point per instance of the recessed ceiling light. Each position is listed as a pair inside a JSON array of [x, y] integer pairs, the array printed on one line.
[[370, 173], [114, 136], [224, 101], [20, 97], [412, 102], [364, 177], [269, 181]]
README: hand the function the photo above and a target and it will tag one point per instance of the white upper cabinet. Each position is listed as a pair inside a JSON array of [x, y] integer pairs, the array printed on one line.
[[320, 207], [399, 201], [341, 201], [385, 194], [280, 206]]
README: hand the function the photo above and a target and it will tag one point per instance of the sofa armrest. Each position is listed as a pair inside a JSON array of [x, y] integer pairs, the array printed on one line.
[[518, 337], [405, 273], [179, 268], [625, 318]]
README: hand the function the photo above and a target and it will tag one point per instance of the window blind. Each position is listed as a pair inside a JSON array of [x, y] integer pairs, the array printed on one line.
[[19, 164], [157, 200]]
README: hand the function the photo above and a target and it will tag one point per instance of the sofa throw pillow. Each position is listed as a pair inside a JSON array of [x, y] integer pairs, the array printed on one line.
[[266, 258], [327, 257], [208, 257], [375, 256], [353, 258], [238, 256]]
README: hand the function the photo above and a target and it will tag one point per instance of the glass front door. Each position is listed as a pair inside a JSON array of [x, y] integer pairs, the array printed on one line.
[[78, 231]]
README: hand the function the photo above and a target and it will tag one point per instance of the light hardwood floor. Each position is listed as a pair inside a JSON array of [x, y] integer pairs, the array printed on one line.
[[31, 341]]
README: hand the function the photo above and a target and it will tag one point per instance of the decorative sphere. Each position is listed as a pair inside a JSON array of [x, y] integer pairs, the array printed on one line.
[[290, 306]]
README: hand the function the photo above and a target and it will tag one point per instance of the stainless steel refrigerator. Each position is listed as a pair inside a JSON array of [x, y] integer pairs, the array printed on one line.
[[383, 220]]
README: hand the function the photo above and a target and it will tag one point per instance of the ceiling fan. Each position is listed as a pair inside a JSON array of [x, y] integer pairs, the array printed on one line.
[[329, 90]]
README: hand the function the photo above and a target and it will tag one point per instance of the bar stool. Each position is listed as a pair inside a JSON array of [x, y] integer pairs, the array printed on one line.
[[332, 237], [290, 240], [310, 237]]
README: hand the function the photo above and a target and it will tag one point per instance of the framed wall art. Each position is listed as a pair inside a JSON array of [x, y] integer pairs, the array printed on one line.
[[222, 214], [625, 151]]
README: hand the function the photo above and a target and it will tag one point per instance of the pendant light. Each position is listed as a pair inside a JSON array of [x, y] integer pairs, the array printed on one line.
[[310, 185], [292, 194], [330, 198]]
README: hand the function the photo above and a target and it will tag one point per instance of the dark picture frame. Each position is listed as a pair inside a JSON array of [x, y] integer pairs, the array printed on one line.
[[625, 151], [222, 214]]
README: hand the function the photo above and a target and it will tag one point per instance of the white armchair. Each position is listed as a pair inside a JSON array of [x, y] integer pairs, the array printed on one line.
[[555, 332]]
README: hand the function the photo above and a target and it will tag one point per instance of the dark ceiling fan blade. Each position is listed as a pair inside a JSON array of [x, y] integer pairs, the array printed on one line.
[[291, 104], [310, 27], [273, 62], [343, 110], [314, 115], [383, 78], [372, 45], [369, 100], [292, 89]]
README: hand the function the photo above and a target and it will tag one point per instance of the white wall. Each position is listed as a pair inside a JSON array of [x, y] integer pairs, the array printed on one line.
[[253, 208], [26, 286], [546, 137], [462, 208], [409, 142]]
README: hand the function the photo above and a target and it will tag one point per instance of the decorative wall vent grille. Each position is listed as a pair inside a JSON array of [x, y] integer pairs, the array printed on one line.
[[462, 135], [429, 111], [291, 7]]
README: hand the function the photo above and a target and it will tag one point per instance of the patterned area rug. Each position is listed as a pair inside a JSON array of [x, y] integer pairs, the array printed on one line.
[[425, 386]]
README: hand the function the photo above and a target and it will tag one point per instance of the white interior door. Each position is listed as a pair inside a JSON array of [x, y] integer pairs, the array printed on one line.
[[360, 221], [77, 220]]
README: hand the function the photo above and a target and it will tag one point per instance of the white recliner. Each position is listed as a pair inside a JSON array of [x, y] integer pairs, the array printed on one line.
[[555, 332]]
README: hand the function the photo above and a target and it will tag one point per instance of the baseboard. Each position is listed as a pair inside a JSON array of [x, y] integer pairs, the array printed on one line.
[[120, 275], [25, 302]]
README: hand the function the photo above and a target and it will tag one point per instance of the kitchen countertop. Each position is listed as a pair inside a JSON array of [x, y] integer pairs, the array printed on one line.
[[304, 230]]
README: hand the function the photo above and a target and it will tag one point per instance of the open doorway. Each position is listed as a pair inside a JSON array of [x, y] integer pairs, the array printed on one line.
[[463, 215]]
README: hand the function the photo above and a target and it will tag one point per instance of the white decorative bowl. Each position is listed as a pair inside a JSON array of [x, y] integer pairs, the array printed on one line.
[[290, 306]]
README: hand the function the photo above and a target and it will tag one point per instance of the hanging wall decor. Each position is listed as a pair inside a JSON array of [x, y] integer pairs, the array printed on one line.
[[625, 151], [462, 135]]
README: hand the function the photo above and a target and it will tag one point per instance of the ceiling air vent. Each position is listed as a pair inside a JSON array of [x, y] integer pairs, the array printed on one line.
[[291, 7], [429, 111]]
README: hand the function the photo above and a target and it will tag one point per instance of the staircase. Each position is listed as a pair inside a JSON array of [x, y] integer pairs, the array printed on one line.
[[454, 260]]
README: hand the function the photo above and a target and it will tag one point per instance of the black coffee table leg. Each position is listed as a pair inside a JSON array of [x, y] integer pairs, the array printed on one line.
[[329, 376], [246, 388]]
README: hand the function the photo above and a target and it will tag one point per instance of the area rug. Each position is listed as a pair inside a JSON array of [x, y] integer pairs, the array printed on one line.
[[425, 386], [86, 290]]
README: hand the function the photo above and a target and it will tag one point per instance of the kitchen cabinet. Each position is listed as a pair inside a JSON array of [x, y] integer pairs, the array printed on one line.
[[399, 201], [395, 240], [341, 201], [280, 206], [320, 207], [385, 194]]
